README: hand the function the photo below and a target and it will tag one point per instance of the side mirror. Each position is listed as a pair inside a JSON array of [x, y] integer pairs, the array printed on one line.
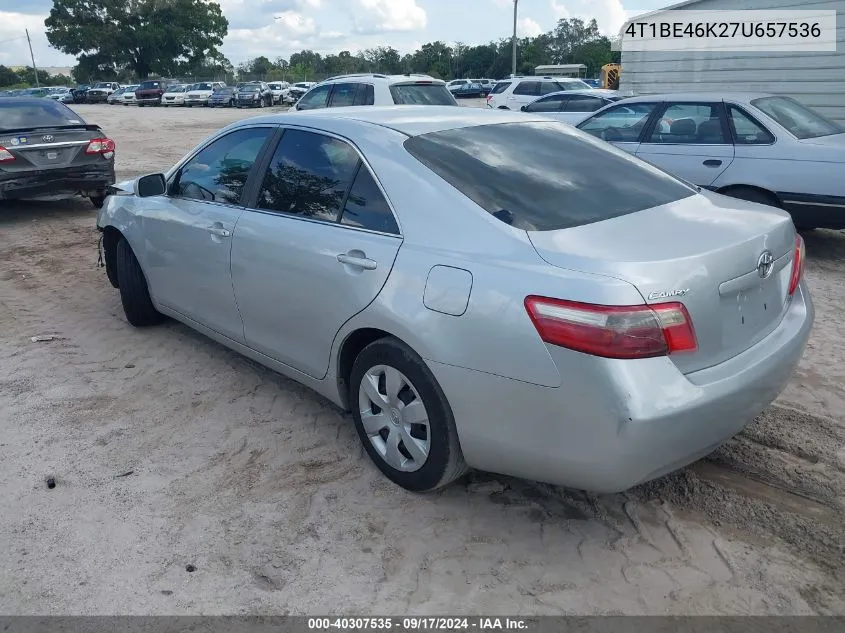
[[152, 185], [524, 108]]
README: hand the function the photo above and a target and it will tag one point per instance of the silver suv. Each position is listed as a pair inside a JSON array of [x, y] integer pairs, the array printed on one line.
[[376, 89], [512, 94]]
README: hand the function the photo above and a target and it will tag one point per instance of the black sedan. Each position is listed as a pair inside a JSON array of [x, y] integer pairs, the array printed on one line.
[[223, 97], [254, 95], [46, 149], [469, 90]]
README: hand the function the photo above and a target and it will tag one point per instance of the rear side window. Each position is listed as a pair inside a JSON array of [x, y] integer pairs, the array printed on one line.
[[421, 94], [500, 87], [746, 130], [366, 207], [366, 95], [543, 176], [343, 95], [47, 113]]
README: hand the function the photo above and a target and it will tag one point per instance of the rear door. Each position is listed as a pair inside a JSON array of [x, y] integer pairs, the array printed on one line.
[[314, 249], [691, 140]]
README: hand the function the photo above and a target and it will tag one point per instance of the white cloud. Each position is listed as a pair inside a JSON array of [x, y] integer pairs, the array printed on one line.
[[526, 27], [382, 16], [294, 24], [14, 50], [609, 14]]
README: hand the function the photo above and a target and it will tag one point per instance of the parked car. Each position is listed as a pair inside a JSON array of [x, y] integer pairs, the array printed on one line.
[[46, 149], [80, 92], [455, 84], [60, 93], [572, 106], [175, 95], [298, 89], [760, 147], [279, 89], [99, 92], [486, 85], [514, 93], [129, 95], [34, 92], [223, 97], [198, 94], [585, 348], [150, 92], [469, 90], [116, 97], [256, 94], [376, 89]]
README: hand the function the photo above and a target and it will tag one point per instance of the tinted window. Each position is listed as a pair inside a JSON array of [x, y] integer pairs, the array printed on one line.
[[583, 103], [47, 113], [527, 88], [624, 123], [315, 98], [501, 87], [309, 175], [220, 171], [366, 95], [798, 119], [421, 94], [746, 130], [366, 207], [547, 104], [690, 124], [543, 175], [343, 95], [548, 87]]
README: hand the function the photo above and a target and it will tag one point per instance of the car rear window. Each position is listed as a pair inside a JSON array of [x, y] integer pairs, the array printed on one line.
[[46, 113], [544, 176], [421, 94]]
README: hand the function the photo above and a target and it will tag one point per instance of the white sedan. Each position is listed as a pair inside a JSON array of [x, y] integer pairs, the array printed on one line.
[[572, 106], [760, 147]]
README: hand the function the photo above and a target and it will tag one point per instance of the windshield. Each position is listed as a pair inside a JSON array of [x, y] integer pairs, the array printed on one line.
[[178, 89], [46, 113], [250, 88], [422, 94], [542, 176], [574, 84], [224, 91], [798, 119], [149, 85], [201, 87], [102, 85]]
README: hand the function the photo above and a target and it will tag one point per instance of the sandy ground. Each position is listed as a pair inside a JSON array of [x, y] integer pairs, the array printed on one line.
[[168, 450]]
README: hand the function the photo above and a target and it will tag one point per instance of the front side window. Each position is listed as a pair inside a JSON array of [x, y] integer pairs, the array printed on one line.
[[547, 104], [366, 207], [218, 173], [315, 98], [621, 124], [543, 175], [343, 95], [799, 120], [308, 176], [690, 124], [746, 130]]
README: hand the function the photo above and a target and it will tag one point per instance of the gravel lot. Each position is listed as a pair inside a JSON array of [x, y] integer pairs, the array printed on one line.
[[168, 450]]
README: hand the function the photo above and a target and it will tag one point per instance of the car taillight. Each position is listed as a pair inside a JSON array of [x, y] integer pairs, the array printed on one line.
[[639, 331], [101, 146], [5, 155], [798, 255]]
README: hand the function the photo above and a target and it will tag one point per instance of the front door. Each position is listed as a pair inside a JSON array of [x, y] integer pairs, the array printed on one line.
[[314, 250], [186, 255], [691, 141]]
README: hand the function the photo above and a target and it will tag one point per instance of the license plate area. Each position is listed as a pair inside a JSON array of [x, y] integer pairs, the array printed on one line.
[[752, 307]]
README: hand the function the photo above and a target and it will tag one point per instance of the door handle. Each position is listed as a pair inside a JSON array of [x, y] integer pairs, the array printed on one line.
[[219, 231], [712, 163], [359, 261]]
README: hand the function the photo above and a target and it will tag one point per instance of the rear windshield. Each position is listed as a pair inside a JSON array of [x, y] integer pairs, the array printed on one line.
[[798, 119], [149, 85], [421, 94], [501, 87], [543, 176], [47, 113]]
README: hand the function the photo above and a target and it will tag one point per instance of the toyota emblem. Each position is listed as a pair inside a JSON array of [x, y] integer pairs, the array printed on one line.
[[765, 264], [47, 138]]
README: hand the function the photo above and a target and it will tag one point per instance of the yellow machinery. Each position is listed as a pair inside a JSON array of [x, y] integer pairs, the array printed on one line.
[[610, 74]]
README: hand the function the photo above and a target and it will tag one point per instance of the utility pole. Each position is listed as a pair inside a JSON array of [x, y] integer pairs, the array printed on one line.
[[513, 64], [32, 57]]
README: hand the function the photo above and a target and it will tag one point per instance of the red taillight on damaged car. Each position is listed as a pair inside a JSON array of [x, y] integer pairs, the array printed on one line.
[[5, 155], [798, 255], [100, 146], [613, 331]]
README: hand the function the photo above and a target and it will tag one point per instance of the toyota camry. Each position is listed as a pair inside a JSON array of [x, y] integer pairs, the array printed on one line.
[[481, 289]]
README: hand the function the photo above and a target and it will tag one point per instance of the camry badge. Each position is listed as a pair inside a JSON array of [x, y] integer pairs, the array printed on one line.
[[765, 264], [666, 294]]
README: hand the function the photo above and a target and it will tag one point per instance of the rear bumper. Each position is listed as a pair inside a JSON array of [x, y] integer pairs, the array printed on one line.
[[615, 424], [814, 211], [87, 179]]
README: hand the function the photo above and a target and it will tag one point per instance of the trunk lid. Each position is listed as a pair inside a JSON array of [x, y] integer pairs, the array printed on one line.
[[703, 251], [46, 147]]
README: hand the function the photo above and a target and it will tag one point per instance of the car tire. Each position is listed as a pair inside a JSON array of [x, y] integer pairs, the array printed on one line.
[[134, 293], [98, 201], [435, 459]]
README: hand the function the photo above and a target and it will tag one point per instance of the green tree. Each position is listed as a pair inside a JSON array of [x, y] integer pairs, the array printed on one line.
[[8, 77], [144, 36]]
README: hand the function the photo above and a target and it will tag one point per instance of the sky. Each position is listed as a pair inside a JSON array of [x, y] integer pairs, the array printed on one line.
[[277, 28]]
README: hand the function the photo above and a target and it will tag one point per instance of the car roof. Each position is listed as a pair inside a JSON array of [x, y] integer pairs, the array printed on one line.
[[388, 79], [596, 92], [24, 101], [406, 119], [699, 96]]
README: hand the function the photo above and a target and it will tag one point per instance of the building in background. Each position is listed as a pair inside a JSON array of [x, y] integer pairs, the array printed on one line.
[[816, 79], [562, 70]]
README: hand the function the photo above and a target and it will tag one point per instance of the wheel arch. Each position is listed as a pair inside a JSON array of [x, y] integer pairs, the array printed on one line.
[[768, 193], [348, 350], [111, 236]]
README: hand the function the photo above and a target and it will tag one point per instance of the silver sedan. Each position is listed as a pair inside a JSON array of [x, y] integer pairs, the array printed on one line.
[[480, 289]]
